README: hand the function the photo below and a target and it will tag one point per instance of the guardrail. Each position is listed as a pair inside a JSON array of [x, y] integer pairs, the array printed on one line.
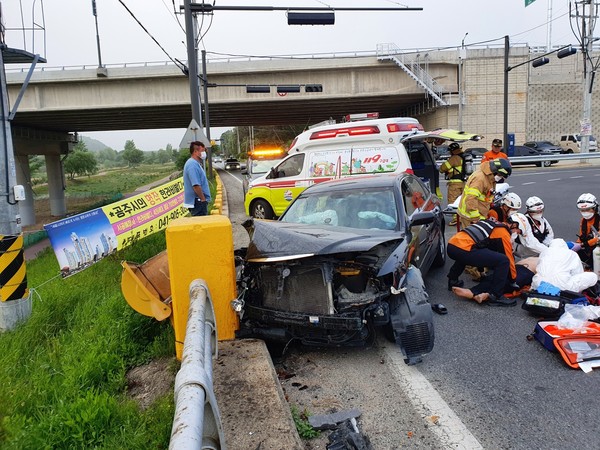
[[557, 157], [197, 423]]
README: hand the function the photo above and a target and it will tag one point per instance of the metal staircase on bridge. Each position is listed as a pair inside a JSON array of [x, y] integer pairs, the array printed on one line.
[[390, 52]]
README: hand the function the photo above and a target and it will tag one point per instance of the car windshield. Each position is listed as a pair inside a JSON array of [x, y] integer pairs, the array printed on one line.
[[373, 208], [263, 165]]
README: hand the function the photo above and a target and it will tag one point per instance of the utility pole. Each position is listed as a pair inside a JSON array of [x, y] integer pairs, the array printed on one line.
[[587, 38], [101, 71], [192, 55]]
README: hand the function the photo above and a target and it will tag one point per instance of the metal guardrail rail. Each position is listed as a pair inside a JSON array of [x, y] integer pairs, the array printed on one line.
[[197, 423], [559, 157]]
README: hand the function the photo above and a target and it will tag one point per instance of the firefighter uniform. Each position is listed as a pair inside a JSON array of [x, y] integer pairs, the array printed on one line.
[[454, 171], [477, 196]]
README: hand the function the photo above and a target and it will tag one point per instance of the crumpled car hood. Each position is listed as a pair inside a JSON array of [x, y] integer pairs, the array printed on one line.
[[271, 239]]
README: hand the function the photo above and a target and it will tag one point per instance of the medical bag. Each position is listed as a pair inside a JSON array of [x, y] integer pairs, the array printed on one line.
[[550, 306]]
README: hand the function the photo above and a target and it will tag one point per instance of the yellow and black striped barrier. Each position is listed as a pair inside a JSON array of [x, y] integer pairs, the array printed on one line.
[[13, 275]]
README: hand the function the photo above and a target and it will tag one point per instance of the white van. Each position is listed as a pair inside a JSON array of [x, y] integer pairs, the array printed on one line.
[[339, 150]]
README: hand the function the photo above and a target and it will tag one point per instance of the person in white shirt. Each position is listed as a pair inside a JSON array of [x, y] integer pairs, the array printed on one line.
[[525, 244], [539, 225]]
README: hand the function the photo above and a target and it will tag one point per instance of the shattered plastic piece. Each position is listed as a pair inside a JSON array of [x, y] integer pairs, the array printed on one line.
[[344, 438], [330, 421]]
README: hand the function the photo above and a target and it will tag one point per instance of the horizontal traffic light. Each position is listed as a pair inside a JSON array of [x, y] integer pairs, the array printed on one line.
[[566, 52], [311, 18], [258, 89], [313, 88], [540, 62], [290, 88]]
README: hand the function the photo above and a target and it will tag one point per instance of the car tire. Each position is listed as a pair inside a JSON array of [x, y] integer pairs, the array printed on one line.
[[440, 256], [546, 163], [569, 152], [261, 210]]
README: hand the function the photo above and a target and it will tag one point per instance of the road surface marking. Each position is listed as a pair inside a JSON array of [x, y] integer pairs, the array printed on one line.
[[531, 182], [555, 179], [577, 177], [449, 429], [232, 176]]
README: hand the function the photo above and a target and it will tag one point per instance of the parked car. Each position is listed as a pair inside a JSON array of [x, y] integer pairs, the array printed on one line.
[[217, 160], [544, 146], [232, 164], [571, 143], [346, 256], [521, 150]]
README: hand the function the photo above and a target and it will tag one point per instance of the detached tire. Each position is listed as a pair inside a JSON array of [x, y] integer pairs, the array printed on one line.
[[262, 210]]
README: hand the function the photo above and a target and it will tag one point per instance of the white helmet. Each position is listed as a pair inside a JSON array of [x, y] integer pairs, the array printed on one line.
[[512, 200], [520, 220], [534, 205], [587, 201]]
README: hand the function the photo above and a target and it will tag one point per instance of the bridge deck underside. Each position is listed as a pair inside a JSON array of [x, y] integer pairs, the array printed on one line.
[[282, 111]]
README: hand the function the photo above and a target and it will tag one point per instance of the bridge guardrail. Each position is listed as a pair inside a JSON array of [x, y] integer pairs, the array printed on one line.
[[197, 423], [558, 157]]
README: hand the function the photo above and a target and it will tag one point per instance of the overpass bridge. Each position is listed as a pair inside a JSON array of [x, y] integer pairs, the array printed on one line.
[[154, 96]]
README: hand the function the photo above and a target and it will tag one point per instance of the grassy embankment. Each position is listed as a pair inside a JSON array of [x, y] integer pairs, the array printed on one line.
[[64, 371]]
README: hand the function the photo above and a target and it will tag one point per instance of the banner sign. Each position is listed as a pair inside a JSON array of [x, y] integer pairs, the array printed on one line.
[[83, 239]]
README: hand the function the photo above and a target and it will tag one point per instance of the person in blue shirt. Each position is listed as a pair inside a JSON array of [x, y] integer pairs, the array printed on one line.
[[196, 193]]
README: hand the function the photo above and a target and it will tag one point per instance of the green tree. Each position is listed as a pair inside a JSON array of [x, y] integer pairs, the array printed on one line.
[[80, 162], [182, 157], [164, 156], [132, 154]]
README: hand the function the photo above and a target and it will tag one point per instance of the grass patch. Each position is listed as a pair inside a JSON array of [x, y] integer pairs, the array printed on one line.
[[305, 430], [63, 371]]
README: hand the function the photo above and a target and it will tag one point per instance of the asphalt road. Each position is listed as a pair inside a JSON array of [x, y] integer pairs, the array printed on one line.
[[484, 385]]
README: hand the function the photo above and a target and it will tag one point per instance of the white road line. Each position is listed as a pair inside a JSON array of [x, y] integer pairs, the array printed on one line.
[[577, 177], [555, 179], [449, 429], [531, 182], [232, 176]]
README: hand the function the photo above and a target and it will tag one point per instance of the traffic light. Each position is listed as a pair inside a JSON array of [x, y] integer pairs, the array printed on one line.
[[540, 62], [566, 52], [258, 89], [289, 88], [313, 88], [311, 18]]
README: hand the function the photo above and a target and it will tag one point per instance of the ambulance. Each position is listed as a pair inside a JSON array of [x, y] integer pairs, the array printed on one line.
[[260, 161], [362, 145]]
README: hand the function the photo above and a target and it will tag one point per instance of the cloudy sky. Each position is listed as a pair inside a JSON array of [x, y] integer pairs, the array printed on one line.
[[128, 30]]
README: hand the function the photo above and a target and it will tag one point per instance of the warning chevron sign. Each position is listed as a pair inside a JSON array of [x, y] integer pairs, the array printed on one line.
[[13, 276]]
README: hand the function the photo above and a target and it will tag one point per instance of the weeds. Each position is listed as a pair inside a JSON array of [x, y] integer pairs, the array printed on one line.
[[305, 430]]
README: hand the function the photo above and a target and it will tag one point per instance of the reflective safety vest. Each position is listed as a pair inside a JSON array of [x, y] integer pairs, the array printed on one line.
[[537, 233], [481, 230], [462, 207]]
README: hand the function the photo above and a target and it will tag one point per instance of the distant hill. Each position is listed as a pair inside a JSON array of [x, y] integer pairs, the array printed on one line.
[[93, 145]]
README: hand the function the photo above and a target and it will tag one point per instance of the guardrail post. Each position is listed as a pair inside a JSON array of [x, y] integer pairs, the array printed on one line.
[[202, 247]]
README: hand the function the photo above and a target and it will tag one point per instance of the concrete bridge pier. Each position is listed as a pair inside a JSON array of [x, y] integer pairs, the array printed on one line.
[[26, 209], [56, 185]]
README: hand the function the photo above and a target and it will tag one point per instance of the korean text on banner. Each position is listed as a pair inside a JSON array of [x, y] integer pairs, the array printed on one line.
[[83, 239]]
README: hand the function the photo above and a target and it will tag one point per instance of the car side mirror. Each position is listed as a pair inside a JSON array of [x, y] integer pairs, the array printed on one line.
[[422, 218], [245, 172], [272, 173]]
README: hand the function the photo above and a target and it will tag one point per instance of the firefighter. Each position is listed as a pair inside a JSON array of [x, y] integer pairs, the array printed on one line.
[[510, 204], [495, 153], [478, 192], [454, 171], [539, 225], [588, 227], [488, 243]]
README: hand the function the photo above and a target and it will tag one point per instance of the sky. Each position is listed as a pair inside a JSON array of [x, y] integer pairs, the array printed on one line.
[[68, 37]]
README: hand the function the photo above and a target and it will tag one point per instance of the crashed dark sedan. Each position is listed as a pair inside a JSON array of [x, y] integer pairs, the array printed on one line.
[[346, 256]]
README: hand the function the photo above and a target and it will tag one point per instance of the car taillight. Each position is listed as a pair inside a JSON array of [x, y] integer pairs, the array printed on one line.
[[403, 127], [345, 131]]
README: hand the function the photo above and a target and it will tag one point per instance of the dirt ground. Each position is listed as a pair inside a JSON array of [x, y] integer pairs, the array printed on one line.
[[149, 382]]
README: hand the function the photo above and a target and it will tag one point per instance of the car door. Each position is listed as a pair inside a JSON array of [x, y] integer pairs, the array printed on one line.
[[423, 164], [425, 238]]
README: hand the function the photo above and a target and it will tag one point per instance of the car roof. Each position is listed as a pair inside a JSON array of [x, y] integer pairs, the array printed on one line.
[[357, 181]]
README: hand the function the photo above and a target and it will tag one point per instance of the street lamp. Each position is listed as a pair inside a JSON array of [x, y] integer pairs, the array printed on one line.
[[561, 52]]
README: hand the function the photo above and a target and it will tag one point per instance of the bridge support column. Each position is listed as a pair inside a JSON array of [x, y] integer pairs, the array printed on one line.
[[26, 209], [56, 187]]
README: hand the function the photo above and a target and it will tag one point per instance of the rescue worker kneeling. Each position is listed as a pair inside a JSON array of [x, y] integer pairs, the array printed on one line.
[[485, 243]]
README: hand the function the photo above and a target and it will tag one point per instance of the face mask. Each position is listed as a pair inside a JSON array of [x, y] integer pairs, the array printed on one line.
[[498, 179], [587, 215], [203, 156], [536, 216]]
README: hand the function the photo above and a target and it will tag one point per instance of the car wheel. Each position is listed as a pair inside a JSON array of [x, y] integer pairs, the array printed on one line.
[[440, 256], [262, 210], [569, 152], [547, 163]]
